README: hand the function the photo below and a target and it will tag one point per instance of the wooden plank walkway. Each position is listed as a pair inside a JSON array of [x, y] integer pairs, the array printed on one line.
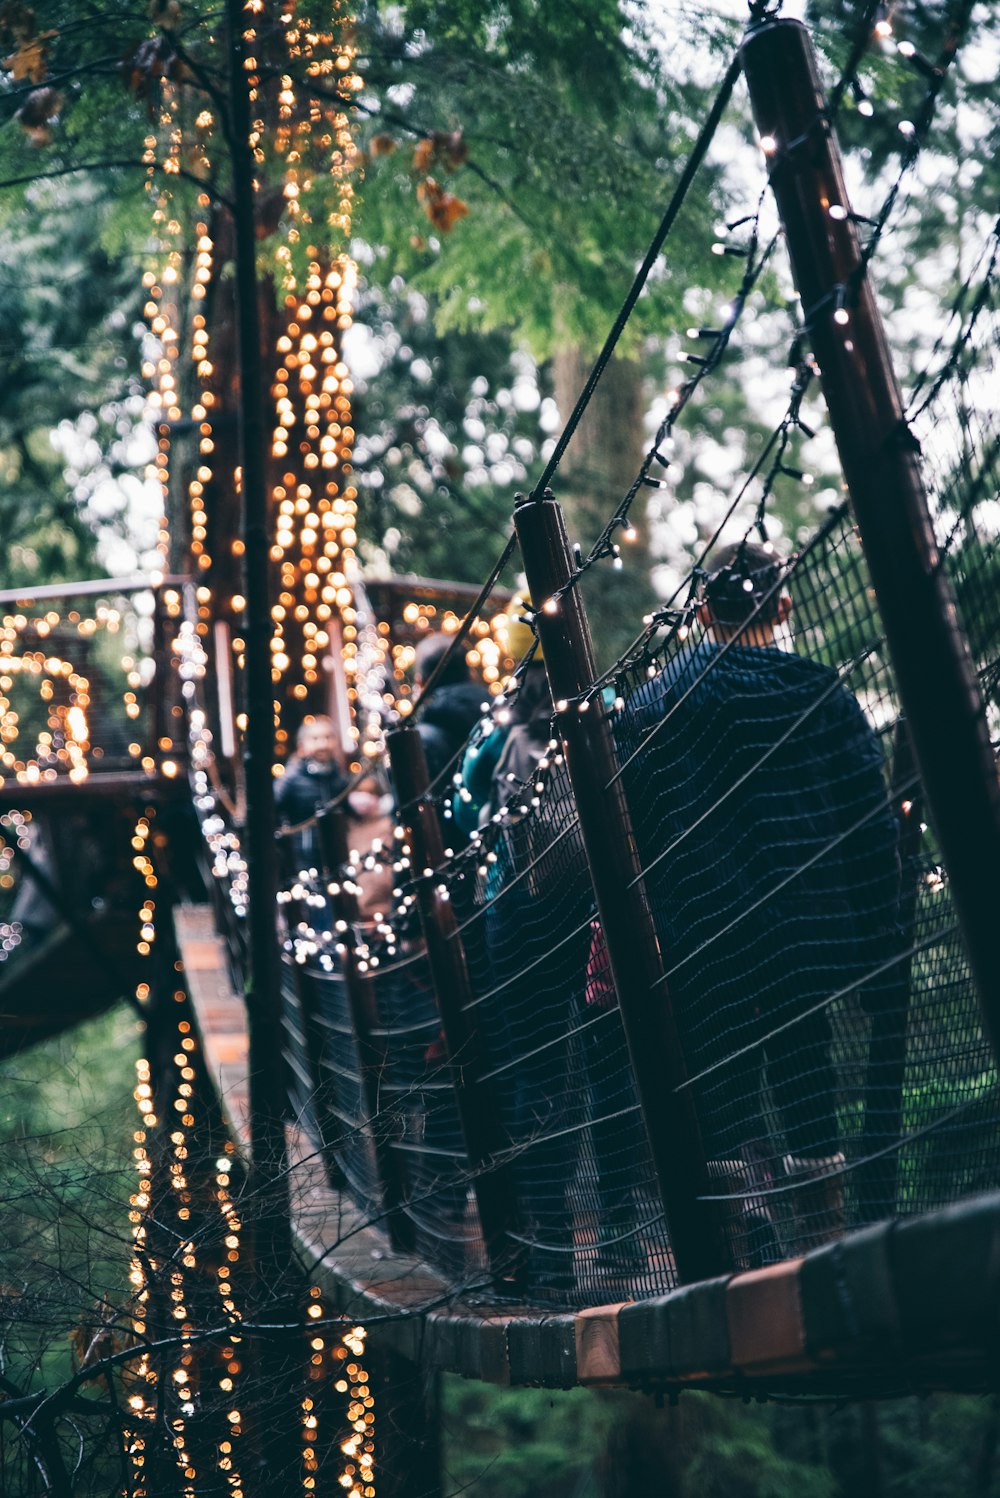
[[907, 1305]]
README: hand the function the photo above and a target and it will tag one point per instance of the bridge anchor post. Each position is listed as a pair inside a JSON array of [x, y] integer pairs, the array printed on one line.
[[695, 1226], [479, 1110], [372, 1052]]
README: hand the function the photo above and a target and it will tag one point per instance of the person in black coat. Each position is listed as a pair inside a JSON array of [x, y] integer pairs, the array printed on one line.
[[454, 707], [773, 870]]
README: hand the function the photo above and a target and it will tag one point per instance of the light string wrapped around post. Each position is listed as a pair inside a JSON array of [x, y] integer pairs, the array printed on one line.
[[623, 908]]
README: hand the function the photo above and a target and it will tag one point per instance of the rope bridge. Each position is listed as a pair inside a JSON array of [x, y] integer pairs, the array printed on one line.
[[670, 971]]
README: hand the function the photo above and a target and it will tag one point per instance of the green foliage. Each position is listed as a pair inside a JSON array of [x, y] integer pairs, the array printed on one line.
[[504, 1443], [743, 1462], [572, 134], [66, 1121], [518, 1443], [67, 310], [448, 430]]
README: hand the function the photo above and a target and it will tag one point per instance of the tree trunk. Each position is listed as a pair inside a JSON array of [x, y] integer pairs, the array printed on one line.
[[600, 464]]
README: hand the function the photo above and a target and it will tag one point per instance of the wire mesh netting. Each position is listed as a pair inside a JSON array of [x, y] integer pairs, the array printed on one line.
[[590, 1215], [368, 1072], [830, 1029], [831, 1033], [419, 1098]]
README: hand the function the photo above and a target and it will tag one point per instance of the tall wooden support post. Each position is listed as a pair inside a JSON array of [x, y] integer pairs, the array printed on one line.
[[937, 683], [478, 1106], [695, 1224], [372, 1053], [161, 726], [273, 1237]]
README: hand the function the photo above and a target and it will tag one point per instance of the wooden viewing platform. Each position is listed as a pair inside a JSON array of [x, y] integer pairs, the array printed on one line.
[[907, 1305]]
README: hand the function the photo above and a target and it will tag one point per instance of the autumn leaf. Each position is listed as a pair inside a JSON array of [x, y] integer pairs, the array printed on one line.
[[381, 145], [37, 113], [423, 154], [443, 148], [31, 60], [443, 208]]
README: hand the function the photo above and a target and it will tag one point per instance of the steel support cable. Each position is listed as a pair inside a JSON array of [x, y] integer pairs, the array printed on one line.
[[602, 547], [965, 332], [475, 852], [754, 269], [680, 192], [976, 490], [289, 829], [862, 41], [778, 439], [860, 46], [522, 873], [491, 993], [594, 1017], [464, 627], [960, 14], [677, 200]]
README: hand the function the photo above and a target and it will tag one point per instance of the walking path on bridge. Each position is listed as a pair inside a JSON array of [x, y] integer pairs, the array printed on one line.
[[901, 1307]]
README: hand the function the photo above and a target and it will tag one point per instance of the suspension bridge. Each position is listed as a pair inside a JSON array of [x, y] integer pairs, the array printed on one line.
[[672, 1062]]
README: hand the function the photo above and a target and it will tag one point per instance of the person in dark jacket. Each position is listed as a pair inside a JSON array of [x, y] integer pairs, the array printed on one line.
[[312, 778], [773, 872], [453, 708]]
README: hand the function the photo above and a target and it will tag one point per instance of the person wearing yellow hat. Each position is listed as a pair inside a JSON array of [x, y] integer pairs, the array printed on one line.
[[515, 637]]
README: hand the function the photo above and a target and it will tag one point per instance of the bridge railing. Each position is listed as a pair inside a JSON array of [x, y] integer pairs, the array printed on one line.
[[830, 1029], [88, 699], [86, 684], [691, 993], [456, 1028]]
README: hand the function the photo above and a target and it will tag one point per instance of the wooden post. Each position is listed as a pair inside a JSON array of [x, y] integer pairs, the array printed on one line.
[[372, 1051], [695, 1226], [880, 459], [160, 726], [478, 1106], [269, 1173]]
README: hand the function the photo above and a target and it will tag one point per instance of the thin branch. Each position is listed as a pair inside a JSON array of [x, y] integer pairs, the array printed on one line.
[[127, 163]]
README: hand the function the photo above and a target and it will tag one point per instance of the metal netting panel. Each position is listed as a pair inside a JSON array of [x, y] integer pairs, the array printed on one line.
[[339, 1099], [810, 943], [420, 1109], [591, 1219]]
